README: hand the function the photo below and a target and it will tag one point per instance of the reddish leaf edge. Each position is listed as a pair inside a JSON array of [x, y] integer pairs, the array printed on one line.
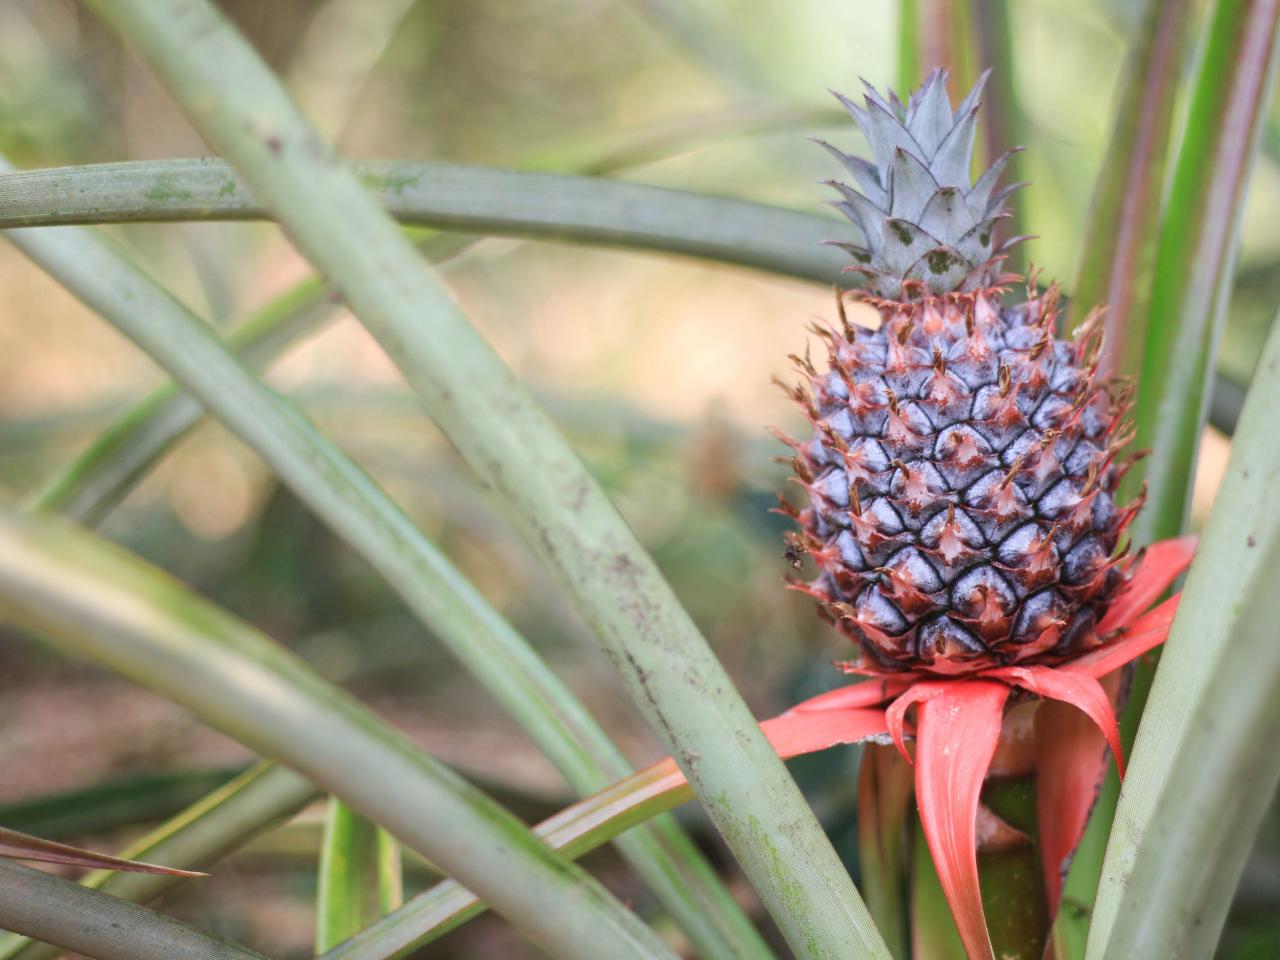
[[22, 846]]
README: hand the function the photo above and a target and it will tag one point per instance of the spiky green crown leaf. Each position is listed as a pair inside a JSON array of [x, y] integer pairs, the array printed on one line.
[[926, 228]]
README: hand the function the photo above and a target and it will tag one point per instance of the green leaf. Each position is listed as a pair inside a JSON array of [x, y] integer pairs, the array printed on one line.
[[1195, 259], [360, 512], [1117, 252], [933, 931], [1117, 259], [196, 838], [57, 911], [885, 791], [360, 878], [515, 448], [1002, 124], [112, 804], [910, 72], [1205, 766], [113, 464], [93, 599], [468, 199], [574, 831]]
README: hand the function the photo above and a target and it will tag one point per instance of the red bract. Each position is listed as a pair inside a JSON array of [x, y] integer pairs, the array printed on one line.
[[957, 728]]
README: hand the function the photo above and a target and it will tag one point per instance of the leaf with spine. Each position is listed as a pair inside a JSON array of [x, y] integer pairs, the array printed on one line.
[[90, 598], [23, 846], [241, 109], [198, 837], [361, 513], [466, 199], [359, 879], [1205, 766], [37, 904], [1117, 251]]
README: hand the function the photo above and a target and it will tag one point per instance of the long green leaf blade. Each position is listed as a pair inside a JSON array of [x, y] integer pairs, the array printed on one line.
[[686, 695], [104, 474], [1196, 255], [1117, 257], [73, 917], [1205, 765], [360, 879], [360, 512], [1117, 252], [990, 22], [202, 834], [455, 197], [574, 831], [93, 599]]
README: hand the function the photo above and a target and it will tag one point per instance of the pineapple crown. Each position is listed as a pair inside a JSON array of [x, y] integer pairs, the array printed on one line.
[[926, 228]]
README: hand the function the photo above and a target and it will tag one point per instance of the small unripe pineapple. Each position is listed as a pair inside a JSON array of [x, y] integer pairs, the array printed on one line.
[[963, 464]]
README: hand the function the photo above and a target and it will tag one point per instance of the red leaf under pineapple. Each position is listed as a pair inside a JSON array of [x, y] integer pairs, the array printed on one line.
[[1072, 760], [1153, 573], [956, 733]]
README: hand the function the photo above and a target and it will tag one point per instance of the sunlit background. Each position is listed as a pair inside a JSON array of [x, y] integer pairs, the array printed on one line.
[[658, 368]]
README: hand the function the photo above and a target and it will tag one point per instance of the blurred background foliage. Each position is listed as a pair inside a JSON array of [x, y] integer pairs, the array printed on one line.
[[658, 368]]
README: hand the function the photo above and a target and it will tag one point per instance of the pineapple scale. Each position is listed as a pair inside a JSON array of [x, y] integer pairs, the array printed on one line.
[[961, 477]]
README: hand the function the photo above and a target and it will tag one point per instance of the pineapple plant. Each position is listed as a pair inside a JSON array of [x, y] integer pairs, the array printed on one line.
[[962, 471], [963, 462]]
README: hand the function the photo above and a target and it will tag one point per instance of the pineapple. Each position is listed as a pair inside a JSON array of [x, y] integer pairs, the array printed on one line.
[[962, 469]]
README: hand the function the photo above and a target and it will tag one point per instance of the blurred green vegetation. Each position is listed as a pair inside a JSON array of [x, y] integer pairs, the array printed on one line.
[[658, 369]]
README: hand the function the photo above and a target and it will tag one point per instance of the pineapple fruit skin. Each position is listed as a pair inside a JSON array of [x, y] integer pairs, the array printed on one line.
[[963, 462], [961, 477]]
